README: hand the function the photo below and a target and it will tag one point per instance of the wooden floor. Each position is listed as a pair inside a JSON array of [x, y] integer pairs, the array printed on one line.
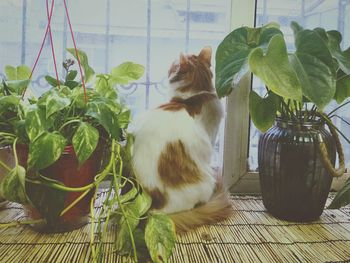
[[251, 235]]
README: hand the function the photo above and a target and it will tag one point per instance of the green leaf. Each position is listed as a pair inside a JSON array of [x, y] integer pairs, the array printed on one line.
[[88, 71], [342, 87], [296, 27], [71, 75], [12, 186], [124, 118], [52, 81], [309, 42], [333, 40], [233, 52], [316, 79], [56, 102], [275, 70], [134, 210], [126, 72], [160, 237], [104, 88], [342, 198], [9, 101], [71, 84], [84, 141], [104, 116], [263, 110], [45, 150], [17, 86], [47, 200], [21, 72], [36, 122]]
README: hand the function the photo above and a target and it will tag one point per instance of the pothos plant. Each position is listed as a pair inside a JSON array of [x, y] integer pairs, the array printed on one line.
[[69, 115], [299, 84]]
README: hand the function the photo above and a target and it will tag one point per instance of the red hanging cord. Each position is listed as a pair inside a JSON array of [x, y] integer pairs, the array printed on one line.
[[52, 47], [42, 45], [76, 50]]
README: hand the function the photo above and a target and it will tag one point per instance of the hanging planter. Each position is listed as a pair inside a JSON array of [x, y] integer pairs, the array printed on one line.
[[56, 143]]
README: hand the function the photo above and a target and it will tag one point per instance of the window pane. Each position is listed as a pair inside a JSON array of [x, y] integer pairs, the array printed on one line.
[[330, 14], [151, 33]]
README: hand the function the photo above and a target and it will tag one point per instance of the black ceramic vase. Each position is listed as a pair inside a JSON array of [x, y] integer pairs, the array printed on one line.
[[294, 181]]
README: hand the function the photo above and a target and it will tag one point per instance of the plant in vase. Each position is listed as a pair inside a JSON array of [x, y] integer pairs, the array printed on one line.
[[58, 161], [296, 154]]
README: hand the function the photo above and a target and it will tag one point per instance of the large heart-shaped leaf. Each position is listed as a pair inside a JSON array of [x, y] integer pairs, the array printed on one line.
[[263, 110], [36, 122], [45, 150], [342, 87], [333, 40], [316, 78], [84, 141], [275, 70], [12, 186], [88, 71], [104, 116], [126, 72], [55, 102], [21, 72], [233, 52], [104, 88], [160, 237]]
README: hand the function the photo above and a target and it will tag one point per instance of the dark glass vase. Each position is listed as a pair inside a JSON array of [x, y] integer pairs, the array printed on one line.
[[294, 181]]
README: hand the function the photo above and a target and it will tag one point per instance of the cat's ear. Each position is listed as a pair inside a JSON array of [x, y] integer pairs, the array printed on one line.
[[205, 55], [183, 59]]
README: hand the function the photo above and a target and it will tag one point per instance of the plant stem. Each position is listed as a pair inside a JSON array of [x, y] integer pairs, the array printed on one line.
[[68, 122], [120, 204], [75, 202], [7, 168], [337, 108]]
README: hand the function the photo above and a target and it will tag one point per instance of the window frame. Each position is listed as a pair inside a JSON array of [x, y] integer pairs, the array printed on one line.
[[237, 121]]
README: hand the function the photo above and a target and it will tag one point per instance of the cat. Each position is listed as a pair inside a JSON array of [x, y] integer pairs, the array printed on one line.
[[174, 144]]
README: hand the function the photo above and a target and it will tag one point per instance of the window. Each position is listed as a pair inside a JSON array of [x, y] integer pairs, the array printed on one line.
[[152, 33]]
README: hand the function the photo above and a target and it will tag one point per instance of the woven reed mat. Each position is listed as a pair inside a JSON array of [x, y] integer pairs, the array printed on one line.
[[251, 235]]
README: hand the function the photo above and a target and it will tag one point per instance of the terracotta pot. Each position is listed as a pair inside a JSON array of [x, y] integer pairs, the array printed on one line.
[[66, 170]]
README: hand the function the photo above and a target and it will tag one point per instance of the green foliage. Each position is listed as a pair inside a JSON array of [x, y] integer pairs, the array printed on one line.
[[85, 140], [160, 237], [88, 71], [63, 116], [316, 73], [342, 198], [126, 72], [263, 110], [12, 186]]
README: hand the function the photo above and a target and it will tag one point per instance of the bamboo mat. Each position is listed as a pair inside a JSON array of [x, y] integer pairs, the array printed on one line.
[[251, 235]]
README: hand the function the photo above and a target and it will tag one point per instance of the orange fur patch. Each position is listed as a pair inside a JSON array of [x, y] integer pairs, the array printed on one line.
[[176, 168], [192, 105], [159, 200]]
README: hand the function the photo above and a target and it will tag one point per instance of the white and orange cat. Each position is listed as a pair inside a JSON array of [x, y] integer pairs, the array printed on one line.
[[174, 144]]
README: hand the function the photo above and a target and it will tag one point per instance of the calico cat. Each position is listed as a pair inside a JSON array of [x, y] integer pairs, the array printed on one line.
[[174, 144]]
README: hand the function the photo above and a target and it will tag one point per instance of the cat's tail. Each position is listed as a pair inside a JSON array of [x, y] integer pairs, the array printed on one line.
[[218, 208]]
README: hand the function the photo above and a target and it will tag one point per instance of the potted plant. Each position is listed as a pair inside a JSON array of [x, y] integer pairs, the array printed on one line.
[[296, 153], [57, 143]]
